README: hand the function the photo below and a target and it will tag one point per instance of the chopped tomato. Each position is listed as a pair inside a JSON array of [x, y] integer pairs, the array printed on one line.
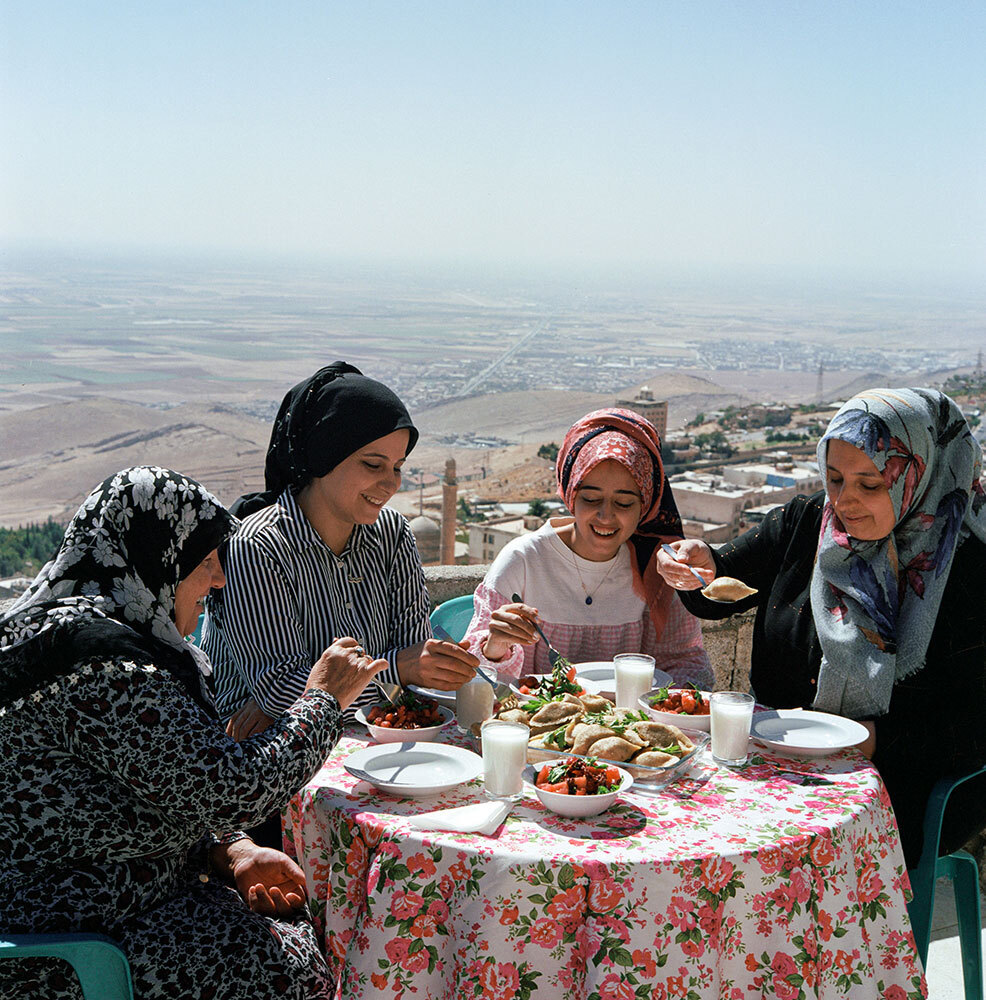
[[524, 689]]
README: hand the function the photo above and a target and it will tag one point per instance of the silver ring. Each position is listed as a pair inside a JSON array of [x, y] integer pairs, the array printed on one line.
[[359, 650]]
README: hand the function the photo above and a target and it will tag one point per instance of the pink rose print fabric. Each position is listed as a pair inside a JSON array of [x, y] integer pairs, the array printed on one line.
[[783, 879]]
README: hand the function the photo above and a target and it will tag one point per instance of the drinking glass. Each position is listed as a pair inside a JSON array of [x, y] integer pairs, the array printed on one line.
[[504, 757], [473, 703], [634, 678], [731, 716]]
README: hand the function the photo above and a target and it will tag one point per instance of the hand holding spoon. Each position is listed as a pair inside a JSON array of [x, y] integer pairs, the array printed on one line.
[[722, 590]]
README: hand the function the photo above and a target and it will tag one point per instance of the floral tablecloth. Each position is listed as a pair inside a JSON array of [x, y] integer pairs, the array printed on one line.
[[783, 879]]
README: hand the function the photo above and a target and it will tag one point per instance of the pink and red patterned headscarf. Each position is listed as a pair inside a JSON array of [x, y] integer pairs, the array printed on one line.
[[630, 439]]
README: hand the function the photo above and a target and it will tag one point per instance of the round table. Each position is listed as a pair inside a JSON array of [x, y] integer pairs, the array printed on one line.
[[783, 879]]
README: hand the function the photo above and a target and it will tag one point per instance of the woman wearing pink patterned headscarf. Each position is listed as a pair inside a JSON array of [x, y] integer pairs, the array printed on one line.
[[590, 579]]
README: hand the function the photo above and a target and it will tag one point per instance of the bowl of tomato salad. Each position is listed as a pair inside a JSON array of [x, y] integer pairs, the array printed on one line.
[[684, 707], [413, 720], [577, 786]]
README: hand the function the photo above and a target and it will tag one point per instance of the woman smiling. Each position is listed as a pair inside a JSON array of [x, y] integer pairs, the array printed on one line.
[[320, 556], [590, 579], [871, 597]]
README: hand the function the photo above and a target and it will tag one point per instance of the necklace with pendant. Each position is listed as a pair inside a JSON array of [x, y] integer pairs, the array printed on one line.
[[585, 590]]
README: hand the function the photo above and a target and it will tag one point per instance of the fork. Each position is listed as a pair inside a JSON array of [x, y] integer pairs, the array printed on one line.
[[553, 655]]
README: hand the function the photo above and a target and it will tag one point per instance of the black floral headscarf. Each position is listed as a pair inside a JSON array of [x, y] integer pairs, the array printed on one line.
[[322, 421], [116, 572]]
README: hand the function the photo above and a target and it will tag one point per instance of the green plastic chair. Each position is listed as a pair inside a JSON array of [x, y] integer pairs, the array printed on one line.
[[99, 963], [454, 616], [961, 868]]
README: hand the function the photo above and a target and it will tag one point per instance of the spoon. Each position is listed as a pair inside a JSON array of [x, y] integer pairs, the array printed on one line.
[[671, 552], [705, 586], [440, 633], [553, 655]]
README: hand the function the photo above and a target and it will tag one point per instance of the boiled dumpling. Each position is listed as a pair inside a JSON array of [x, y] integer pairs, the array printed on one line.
[[657, 734], [727, 588], [613, 748], [654, 758]]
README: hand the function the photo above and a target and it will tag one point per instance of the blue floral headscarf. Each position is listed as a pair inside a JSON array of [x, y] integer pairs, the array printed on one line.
[[875, 603]]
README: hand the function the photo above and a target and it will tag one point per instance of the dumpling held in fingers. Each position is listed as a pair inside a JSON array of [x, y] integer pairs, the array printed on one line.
[[727, 588]]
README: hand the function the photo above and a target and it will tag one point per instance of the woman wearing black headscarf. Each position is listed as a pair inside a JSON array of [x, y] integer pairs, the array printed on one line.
[[319, 555], [120, 796]]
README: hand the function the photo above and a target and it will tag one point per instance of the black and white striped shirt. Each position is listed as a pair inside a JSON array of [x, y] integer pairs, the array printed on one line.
[[288, 595]]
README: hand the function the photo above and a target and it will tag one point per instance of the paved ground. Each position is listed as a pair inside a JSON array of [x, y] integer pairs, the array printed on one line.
[[944, 957]]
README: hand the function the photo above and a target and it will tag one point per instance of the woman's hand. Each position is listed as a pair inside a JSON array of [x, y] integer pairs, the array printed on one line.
[[247, 721], [344, 670], [268, 880], [437, 663], [689, 552], [510, 624]]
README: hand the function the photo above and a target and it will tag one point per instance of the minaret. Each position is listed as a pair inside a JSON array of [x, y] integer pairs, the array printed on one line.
[[450, 495]]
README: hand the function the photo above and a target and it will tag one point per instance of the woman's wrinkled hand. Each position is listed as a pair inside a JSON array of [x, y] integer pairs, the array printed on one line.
[[510, 624], [269, 881], [344, 670], [437, 663], [688, 552], [248, 721]]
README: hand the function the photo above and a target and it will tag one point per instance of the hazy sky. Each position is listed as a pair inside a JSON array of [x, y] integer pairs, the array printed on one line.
[[810, 135]]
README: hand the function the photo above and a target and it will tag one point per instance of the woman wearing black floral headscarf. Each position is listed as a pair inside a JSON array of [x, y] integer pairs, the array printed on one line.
[[120, 796]]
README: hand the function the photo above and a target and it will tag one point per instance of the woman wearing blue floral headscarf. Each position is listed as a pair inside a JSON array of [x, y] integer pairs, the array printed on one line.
[[871, 597]]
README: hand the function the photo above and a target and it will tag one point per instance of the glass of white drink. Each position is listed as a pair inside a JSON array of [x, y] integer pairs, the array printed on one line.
[[634, 678], [504, 757], [731, 715]]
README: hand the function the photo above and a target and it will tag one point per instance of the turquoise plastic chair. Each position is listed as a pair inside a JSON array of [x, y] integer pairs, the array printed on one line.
[[454, 616], [961, 868], [98, 962]]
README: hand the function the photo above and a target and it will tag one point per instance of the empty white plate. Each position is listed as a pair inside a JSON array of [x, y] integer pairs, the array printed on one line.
[[805, 733], [599, 677], [414, 769]]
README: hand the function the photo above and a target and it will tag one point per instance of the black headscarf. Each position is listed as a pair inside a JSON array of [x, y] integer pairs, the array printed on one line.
[[110, 590], [322, 421]]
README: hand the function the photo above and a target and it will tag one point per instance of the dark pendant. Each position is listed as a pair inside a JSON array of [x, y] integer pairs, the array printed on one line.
[[588, 599]]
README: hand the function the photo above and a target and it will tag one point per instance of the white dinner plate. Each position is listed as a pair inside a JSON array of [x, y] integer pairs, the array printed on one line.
[[806, 734], [414, 769], [599, 677]]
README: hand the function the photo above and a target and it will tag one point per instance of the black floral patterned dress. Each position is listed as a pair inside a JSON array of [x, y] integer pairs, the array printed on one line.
[[116, 778]]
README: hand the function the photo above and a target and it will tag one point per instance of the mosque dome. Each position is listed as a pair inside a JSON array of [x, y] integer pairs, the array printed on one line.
[[428, 538]]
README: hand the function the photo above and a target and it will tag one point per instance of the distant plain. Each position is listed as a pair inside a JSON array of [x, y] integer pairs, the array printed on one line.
[[107, 363]]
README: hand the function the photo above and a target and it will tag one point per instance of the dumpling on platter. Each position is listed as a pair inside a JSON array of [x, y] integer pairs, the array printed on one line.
[[613, 748], [515, 715], [555, 714], [654, 758], [585, 734], [595, 703], [727, 588], [657, 734]]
